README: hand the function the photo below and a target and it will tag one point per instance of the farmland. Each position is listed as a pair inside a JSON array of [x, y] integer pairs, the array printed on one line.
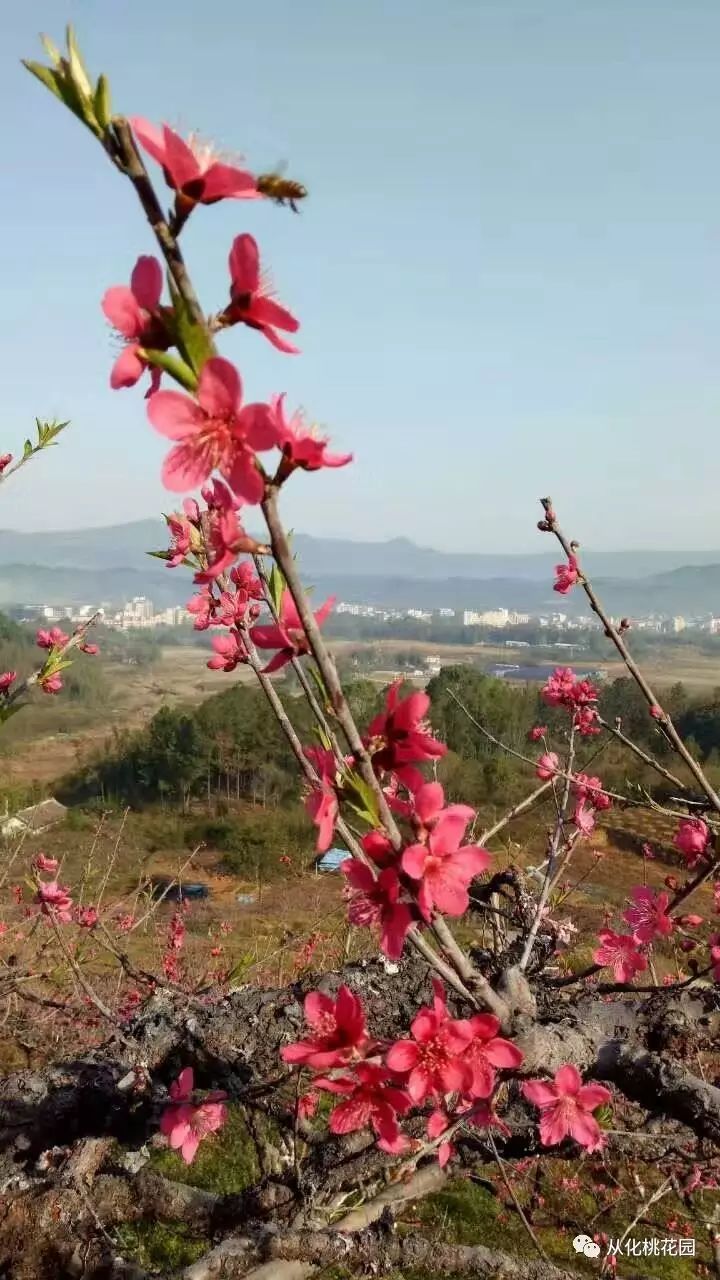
[[49, 738]]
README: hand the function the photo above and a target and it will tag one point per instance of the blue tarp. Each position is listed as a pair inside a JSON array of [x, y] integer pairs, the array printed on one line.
[[331, 860]]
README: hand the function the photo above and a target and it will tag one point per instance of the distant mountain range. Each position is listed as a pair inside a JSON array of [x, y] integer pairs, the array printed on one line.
[[110, 564]]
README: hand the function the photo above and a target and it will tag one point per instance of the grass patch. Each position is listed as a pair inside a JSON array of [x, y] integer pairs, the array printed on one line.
[[225, 1163], [161, 1246]]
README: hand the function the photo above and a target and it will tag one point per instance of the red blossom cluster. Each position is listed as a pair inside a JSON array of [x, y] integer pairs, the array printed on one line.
[[566, 576], [565, 689], [448, 1065]]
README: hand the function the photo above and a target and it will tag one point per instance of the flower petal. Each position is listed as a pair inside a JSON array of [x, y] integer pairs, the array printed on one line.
[[180, 160], [540, 1092], [151, 138], [128, 368], [591, 1096], [503, 1053], [185, 467], [244, 477], [554, 1126], [220, 388], [394, 931], [413, 861], [429, 800], [568, 1079], [585, 1129], [244, 263], [175, 415], [403, 1056], [256, 424], [120, 307], [146, 282], [223, 181]]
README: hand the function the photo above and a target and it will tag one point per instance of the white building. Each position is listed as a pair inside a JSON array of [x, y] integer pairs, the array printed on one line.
[[494, 618]]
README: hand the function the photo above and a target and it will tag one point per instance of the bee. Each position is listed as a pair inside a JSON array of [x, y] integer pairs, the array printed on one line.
[[281, 189]]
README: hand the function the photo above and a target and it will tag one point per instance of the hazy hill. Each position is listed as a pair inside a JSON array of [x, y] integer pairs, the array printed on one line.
[[122, 545], [111, 564]]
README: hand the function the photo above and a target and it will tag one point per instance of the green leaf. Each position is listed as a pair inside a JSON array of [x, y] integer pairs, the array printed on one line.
[[276, 586], [102, 103], [51, 79], [28, 448], [173, 365], [48, 432], [367, 797], [167, 555], [51, 50], [241, 966], [193, 339], [321, 687], [78, 71]]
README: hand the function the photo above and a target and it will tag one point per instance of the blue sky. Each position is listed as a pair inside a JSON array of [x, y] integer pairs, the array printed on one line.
[[507, 272]]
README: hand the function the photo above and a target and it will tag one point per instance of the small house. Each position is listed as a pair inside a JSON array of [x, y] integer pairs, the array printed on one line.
[[33, 820]]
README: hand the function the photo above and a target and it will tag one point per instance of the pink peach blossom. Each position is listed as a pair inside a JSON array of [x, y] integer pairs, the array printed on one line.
[[438, 1122], [433, 1060], [51, 683], [566, 576], [41, 862], [54, 900], [184, 1123], [230, 651], [288, 634], [567, 1106], [428, 808], [590, 789], [444, 868], [181, 539], [648, 916], [620, 952], [338, 1031], [136, 314], [251, 300], [486, 1053], [401, 735], [226, 540], [53, 639], [202, 607], [374, 900], [692, 838], [193, 169], [586, 722], [214, 432], [584, 819], [301, 445], [547, 766], [373, 1099]]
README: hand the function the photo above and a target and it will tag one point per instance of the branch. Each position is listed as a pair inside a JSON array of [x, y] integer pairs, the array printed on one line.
[[613, 634]]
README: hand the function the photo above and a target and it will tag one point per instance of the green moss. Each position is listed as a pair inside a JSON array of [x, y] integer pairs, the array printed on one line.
[[465, 1212], [159, 1246], [225, 1163]]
